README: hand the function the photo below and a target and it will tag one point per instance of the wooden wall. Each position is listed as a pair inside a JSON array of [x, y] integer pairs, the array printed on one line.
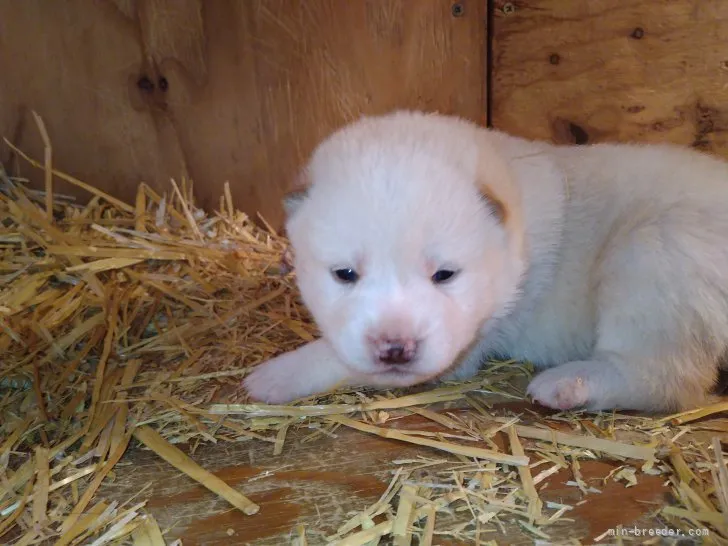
[[242, 90], [595, 70], [223, 90]]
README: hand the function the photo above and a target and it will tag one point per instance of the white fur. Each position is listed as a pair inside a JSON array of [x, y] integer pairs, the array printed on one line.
[[611, 269]]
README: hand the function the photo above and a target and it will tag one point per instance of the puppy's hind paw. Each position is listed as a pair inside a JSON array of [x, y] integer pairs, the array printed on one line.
[[561, 388]]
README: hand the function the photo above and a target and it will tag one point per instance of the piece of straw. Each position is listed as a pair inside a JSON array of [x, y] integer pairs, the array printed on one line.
[[429, 530], [404, 516], [42, 481], [695, 414], [457, 449], [183, 463], [529, 487], [609, 447], [443, 394], [70, 179], [366, 536], [84, 501], [48, 165]]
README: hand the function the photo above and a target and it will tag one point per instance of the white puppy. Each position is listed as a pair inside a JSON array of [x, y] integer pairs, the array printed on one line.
[[424, 244]]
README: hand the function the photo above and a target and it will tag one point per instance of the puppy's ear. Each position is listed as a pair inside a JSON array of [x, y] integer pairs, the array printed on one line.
[[293, 200], [496, 205], [298, 194]]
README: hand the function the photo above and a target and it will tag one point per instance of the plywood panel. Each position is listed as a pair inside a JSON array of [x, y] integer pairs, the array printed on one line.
[[320, 483], [236, 91], [645, 70]]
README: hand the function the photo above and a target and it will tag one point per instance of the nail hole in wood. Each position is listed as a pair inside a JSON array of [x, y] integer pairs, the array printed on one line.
[[579, 134], [145, 84]]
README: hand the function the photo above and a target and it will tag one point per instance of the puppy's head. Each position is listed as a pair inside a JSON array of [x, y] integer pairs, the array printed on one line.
[[407, 237]]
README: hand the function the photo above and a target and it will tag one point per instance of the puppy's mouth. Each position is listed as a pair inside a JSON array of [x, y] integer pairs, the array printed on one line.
[[397, 371], [399, 375]]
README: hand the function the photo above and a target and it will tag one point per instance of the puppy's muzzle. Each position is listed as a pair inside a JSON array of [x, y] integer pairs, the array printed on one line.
[[395, 351]]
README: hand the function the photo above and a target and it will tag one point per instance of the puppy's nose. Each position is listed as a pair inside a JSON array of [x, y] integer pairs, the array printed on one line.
[[396, 351]]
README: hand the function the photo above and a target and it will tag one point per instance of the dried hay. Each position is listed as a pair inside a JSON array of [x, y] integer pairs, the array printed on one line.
[[123, 322]]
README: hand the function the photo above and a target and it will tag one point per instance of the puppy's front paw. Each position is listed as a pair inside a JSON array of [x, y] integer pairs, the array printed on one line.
[[274, 381], [561, 388]]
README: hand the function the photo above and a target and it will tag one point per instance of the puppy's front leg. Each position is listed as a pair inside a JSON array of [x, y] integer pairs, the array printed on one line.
[[467, 366], [311, 369]]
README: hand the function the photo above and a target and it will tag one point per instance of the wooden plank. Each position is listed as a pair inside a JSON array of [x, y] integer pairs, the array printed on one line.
[[237, 91], [644, 70], [317, 483]]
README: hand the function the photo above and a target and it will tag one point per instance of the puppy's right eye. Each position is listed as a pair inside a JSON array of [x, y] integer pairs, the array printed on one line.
[[346, 275], [444, 275]]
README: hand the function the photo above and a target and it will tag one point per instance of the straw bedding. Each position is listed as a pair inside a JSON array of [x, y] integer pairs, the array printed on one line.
[[126, 326]]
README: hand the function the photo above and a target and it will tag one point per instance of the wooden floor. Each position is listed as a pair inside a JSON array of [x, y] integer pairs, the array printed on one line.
[[317, 483]]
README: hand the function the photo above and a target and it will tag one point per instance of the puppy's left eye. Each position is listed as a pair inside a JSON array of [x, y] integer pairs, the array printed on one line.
[[444, 275], [346, 275]]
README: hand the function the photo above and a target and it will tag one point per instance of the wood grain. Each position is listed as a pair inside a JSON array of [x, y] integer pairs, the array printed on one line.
[[231, 90], [640, 70], [317, 483]]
